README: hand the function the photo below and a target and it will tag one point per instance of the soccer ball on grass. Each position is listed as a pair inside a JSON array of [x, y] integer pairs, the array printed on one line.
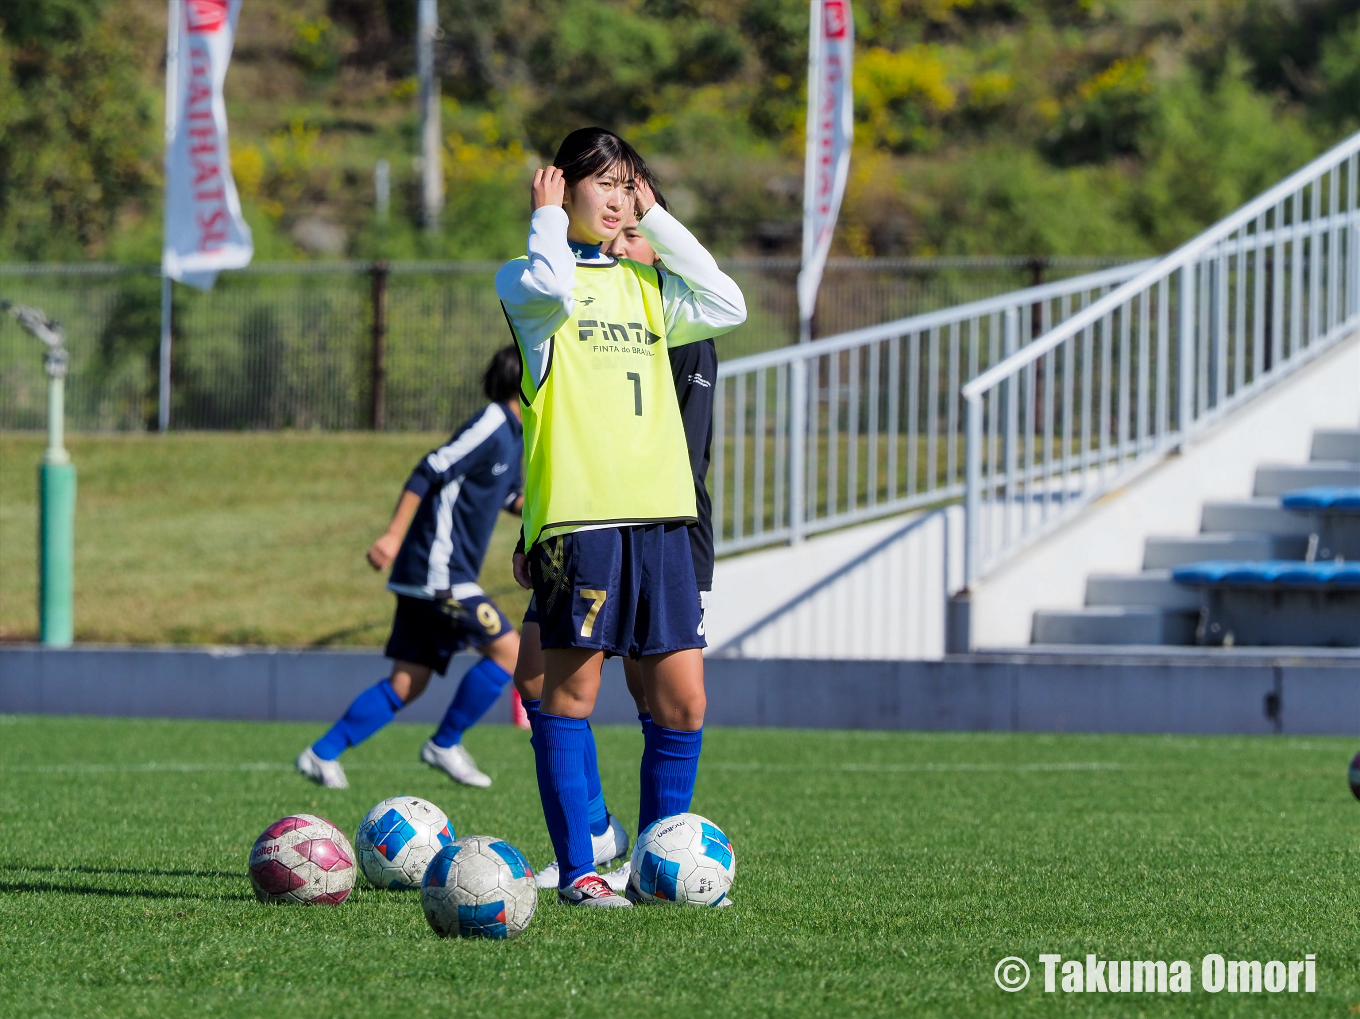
[[303, 859], [479, 887], [398, 838], [684, 859]]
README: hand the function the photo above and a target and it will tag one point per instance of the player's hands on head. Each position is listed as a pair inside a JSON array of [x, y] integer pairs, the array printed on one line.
[[643, 197], [381, 553], [519, 566], [549, 188]]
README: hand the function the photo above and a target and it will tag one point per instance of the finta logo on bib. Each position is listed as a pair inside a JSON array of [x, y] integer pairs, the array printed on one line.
[[613, 337]]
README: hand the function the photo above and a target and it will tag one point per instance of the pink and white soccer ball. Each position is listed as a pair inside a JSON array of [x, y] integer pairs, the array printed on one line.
[[683, 859], [302, 858], [398, 838]]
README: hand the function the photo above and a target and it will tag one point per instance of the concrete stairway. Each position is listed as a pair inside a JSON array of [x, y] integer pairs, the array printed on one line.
[[1148, 608]]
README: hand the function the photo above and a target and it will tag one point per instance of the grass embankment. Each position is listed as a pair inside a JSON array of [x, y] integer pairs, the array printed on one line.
[[878, 874], [222, 538]]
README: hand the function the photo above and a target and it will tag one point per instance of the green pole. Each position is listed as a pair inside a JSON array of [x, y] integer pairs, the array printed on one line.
[[56, 546], [57, 554], [56, 488]]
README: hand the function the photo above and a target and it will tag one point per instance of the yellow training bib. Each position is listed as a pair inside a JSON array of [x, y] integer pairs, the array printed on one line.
[[603, 438]]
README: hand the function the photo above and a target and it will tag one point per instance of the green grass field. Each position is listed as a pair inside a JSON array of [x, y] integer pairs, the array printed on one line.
[[878, 874], [222, 537]]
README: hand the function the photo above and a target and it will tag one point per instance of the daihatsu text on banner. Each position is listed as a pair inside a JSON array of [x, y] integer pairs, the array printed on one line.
[[204, 229], [830, 129]]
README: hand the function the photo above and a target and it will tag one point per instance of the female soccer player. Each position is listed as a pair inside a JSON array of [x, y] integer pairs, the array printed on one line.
[[694, 369], [438, 538], [609, 491]]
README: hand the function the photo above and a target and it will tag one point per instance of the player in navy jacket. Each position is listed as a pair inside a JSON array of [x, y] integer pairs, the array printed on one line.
[[435, 544]]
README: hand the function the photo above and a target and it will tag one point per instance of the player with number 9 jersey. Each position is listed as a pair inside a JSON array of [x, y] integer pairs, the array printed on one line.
[[435, 545]]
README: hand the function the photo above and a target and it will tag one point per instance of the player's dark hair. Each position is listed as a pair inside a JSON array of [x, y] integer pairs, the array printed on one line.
[[592, 150], [500, 381]]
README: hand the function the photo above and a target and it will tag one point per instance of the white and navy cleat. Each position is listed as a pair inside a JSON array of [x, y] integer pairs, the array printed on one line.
[[454, 762], [327, 773], [592, 891], [610, 846]]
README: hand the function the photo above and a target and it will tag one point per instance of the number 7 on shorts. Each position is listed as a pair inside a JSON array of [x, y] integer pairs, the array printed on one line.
[[596, 601]]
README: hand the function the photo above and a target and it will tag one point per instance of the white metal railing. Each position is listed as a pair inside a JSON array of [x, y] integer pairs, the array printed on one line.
[[868, 423], [1110, 390]]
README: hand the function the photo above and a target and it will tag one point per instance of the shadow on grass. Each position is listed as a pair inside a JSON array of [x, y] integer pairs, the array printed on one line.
[[120, 871], [117, 893]]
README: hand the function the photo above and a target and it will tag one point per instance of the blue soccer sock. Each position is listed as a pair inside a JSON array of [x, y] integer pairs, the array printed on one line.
[[531, 709], [367, 713], [479, 689], [599, 813], [670, 763], [559, 756], [645, 720]]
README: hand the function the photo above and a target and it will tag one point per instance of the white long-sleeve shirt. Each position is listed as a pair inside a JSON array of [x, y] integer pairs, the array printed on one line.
[[699, 300]]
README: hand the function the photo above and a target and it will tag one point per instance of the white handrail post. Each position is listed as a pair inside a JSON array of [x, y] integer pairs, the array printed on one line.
[[1010, 343], [1186, 363], [798, 399], [972, 498]]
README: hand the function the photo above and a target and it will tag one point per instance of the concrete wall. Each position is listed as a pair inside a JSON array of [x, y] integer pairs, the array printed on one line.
[[1190, 691], [1220, 463], [870, 592]]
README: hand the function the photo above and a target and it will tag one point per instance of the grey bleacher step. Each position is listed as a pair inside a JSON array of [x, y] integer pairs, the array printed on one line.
[[1276, 479], [1252, 516], [1115, 625], [1336, 444], [1149, 589], [1160, 553]]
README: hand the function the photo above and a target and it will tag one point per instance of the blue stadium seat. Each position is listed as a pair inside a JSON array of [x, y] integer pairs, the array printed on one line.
[[1270, 573], [1334, 511], [1276, 602], [1333, 498]]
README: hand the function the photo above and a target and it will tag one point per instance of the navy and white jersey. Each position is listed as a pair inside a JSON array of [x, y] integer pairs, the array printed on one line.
[[462, 486]]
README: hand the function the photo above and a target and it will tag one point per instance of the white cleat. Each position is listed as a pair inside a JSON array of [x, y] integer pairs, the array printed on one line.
[[592, 891], [618, 879], [455, 762], [610, 846], [322, 772]]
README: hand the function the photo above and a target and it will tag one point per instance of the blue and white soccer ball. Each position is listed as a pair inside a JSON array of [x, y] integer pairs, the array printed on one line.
[[398, 838], [684, 859], [479, 887]]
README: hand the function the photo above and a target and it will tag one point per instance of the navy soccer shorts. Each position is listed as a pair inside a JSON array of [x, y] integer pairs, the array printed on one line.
[[624, 590], [429, 633]]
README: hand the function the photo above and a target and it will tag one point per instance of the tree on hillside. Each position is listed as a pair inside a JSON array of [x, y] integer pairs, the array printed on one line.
[[78, 145], [983, 126]]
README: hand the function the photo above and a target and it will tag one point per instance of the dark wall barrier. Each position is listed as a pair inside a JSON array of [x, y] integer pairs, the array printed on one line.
[[1180, 692]]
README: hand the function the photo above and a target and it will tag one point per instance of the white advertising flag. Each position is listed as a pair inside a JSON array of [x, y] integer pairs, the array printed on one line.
[[204, 229], [830, 129]]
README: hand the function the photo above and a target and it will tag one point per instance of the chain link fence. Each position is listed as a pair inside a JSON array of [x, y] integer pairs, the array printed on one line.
[[400, 346]]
